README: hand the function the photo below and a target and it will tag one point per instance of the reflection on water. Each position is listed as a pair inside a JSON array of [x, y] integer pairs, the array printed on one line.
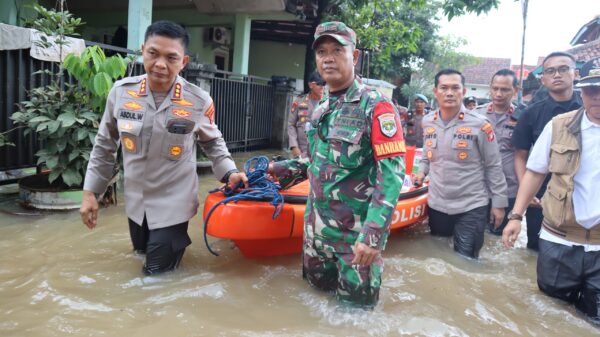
[[57, 278]]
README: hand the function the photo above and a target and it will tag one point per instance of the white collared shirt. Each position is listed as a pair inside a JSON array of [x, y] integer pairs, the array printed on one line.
[[586, 196]]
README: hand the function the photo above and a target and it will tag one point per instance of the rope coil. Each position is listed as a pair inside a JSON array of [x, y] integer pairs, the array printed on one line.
[[260, 189]]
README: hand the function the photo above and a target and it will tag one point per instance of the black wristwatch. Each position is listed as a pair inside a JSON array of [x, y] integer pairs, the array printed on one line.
[[226, 176], [514, 216]]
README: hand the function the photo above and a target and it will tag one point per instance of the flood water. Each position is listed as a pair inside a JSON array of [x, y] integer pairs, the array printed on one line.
[[57, 278]]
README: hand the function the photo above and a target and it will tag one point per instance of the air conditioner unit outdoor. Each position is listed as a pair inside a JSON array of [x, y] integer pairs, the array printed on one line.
[[218, 35]]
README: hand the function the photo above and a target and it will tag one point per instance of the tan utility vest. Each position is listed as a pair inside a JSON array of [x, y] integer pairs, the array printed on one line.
[[565, 158]]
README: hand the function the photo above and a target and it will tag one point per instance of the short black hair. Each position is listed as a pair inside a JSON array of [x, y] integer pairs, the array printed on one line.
[[168, 29], [559, 54], [507, 72], [448, 72]]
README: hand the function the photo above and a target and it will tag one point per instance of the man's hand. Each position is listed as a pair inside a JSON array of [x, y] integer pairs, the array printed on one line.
[[511, 232], [296, 152], [496, 217], [363, 254], [236, 177], [89, 209], [535, 202], [418, 178]]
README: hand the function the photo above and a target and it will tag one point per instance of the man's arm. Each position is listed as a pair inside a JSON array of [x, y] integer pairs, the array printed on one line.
[[101, 164], [494, 176], [537, 168], [521, 163], [289, 172], [292, 132]]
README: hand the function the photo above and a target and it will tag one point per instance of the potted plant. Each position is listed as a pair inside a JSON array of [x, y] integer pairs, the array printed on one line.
[[65, 116]]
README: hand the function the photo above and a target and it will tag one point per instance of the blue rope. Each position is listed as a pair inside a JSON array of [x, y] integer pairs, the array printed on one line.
[[260, 189]]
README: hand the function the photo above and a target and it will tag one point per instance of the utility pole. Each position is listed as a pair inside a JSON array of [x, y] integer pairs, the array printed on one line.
[[524, 4]]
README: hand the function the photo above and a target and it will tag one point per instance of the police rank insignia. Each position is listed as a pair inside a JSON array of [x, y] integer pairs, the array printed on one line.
[[175, 150], [387, 124], [128, 143], [132, 105], [181, 113]]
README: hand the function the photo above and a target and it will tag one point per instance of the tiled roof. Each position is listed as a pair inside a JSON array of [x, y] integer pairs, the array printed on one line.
[[482, 72], [586, 51]]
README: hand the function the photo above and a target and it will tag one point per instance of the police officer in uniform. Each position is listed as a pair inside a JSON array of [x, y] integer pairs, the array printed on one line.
[[157, 118], [355, 169], [299, 116], [499, 112], [470, 102], [463, 163], [414, 129]]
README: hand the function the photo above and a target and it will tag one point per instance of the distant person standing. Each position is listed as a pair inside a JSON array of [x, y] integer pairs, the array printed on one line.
[[470, 102], [462, 160], [414, 129], [302, 109], [557, 77], [499, 112]]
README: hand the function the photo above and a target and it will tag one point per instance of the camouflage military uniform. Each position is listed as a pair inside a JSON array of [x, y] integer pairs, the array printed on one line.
[[356, 172], [298, 118]]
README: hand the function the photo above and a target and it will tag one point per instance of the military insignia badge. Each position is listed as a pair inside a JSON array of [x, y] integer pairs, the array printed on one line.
[[463, 155], [128, 144], [133, 94], [183, 102], [132, 105], [175, 150], [429, 154], [181, 113], [387, 123], [210, 113]]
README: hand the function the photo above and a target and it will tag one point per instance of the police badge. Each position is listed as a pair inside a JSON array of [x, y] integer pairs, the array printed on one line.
[[387, 124]]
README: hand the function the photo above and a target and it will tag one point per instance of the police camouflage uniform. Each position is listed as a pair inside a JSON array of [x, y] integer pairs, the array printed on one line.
[[503, 125], [356, 173], [463, 163], [297, 120], [159, 154]]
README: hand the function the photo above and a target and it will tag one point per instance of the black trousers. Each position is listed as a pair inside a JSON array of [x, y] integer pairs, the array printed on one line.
[[534, 218], [467, 229], [570, 274], [164, 247]]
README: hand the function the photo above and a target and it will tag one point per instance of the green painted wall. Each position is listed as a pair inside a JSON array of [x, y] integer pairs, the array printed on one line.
[[276, 58], [11, 11]]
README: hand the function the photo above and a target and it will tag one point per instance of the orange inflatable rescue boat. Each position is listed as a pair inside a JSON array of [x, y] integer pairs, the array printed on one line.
[[249, 224]]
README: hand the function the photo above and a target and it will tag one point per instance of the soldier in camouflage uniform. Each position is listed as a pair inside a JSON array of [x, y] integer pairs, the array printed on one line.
[[299, 116], [355, 168]]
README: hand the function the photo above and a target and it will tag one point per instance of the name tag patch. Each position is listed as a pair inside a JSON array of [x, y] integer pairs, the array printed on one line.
[[131, 115]]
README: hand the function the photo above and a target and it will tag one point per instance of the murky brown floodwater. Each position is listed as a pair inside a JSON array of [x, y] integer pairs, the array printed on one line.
[[59, 279]]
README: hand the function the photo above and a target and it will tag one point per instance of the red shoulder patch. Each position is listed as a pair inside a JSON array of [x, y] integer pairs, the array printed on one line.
[[386, 132], [489, 131], [210, 113]]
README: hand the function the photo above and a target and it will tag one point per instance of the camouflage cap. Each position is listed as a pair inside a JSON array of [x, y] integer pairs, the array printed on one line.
[[337, 30]]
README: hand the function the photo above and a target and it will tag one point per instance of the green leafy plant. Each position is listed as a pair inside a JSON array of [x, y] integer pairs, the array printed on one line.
[[95, 73], [65, 116]]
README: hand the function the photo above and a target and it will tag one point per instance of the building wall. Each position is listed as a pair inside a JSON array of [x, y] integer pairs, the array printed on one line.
[[269, 58], [477, 90]]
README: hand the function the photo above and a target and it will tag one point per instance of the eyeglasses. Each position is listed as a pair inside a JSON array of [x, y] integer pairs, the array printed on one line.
[[561, 70]]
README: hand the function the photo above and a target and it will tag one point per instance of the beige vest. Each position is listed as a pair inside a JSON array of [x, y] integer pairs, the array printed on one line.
[[565, 158]]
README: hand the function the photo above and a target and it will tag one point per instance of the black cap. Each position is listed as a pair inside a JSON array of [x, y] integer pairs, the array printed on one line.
[[590, 74], [315, 77], [470, 99]]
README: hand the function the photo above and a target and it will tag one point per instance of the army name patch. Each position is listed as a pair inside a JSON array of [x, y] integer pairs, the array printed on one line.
[[383, 149]]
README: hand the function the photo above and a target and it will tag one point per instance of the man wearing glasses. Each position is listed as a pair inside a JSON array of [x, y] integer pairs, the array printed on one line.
[[557, 77], [568, 264], [302, 109]]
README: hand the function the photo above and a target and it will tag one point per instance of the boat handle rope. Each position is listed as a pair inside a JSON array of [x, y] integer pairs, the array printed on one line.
[[260, 188]]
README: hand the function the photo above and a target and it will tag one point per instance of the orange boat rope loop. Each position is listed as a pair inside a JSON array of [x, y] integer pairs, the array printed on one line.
[[260, 189]]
